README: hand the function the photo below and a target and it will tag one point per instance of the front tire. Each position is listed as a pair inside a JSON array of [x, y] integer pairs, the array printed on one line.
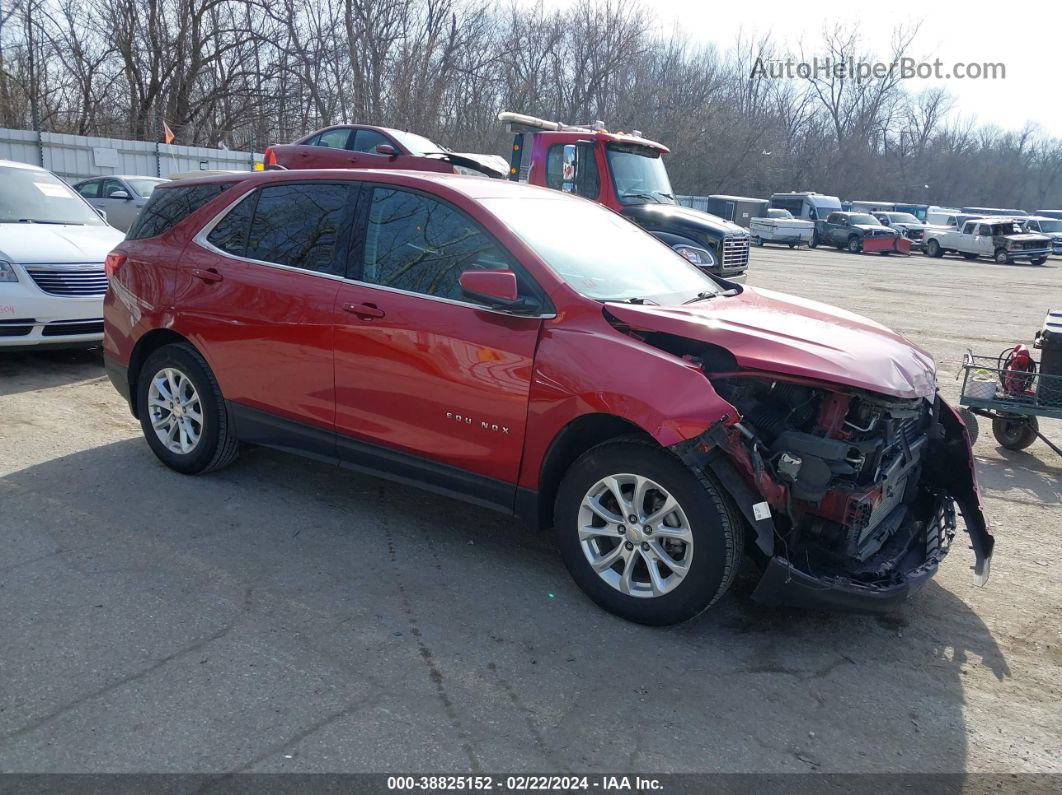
[[969, 256], [934, 250], [182, 411], [854, 246], [1002, 258], [1039, 261], [677, 557]]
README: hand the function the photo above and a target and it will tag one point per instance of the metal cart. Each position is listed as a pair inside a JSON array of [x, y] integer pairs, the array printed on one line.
[[1011, 398]]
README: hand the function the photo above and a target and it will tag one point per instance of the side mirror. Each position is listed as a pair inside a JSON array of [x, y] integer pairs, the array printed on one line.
[[386, 149], [118, 194], [497, 289]]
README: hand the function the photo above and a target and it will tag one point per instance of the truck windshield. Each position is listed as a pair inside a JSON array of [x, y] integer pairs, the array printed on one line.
[[639, 174], [29, 196], [599, 253], [859, 218], [902, 218], [1051, 226]]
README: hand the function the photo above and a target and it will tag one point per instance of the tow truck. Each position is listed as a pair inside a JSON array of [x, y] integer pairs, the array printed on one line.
[[626, 173]]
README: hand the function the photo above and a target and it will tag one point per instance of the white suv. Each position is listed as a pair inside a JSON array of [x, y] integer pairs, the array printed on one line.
[[52, 248]]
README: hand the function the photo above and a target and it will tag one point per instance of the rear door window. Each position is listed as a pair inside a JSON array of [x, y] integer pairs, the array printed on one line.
[[230, 233], [333, 139], [167, 207], [90, 189], [300, 225]]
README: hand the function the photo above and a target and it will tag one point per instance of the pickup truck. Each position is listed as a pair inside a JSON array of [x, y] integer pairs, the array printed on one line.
[[1001, 239], [858, 232], [906, 224]]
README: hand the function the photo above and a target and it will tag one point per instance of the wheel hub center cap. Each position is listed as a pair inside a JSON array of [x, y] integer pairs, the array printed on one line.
[[634, 533]]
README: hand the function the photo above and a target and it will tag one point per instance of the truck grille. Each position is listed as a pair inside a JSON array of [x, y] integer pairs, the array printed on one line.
[[735, 252], [70, 280], [916, 234]]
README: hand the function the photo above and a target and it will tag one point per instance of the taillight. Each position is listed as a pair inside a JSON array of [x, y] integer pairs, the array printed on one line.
[[114, 261], [270, 157]]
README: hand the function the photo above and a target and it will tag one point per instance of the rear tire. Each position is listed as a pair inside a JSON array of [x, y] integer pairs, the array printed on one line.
[[702, 534], [814, 242], [1015, 433], [183, 413]]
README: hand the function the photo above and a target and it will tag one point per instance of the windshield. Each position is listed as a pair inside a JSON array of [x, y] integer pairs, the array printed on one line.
[[902, 218], [31, 196], [1051, 226], [857, 219], [144, 186], [639, 174], [599, 253], [416, 144], [779, 214]]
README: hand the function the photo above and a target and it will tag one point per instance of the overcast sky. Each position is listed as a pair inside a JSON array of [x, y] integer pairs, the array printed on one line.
[[1023, 36]]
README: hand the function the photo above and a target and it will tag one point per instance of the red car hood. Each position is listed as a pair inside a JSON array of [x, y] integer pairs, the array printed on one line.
[[784, 334]]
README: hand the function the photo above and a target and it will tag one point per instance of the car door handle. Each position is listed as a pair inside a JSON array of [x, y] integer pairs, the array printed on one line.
[[209, 275], [364, 311]]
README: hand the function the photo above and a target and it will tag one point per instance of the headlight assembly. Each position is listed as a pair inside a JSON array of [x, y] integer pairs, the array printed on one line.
[[7, 273], [701, 257]]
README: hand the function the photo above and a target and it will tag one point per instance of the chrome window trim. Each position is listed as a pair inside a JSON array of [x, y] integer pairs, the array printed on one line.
[[201, 240]]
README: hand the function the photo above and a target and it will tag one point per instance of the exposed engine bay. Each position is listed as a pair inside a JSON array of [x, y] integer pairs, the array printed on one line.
[[852, 493], [845, 472], [860, 486]]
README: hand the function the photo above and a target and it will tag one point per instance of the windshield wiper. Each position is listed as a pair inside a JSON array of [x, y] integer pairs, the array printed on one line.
[[707, 294], [702, 296], [649, 196], [635, 300], [40, 221]]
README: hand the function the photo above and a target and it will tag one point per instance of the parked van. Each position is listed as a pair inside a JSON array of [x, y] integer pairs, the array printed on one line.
[[917, 210], [985, 211], [870, 207], [806, 204], [942, 216]]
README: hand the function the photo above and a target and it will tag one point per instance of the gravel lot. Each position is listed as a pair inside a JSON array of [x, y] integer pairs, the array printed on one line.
[[283, 615]]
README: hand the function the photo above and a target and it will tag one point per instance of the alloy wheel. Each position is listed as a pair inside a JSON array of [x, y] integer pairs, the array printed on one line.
[[175, 410], [635, 535]]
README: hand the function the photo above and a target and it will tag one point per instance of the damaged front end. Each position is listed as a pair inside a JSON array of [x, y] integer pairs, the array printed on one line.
[[852, 494]]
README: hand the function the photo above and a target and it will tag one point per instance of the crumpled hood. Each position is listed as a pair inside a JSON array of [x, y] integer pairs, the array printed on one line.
[[50, 243], [1028, 237], [774, 332], [875, 229]]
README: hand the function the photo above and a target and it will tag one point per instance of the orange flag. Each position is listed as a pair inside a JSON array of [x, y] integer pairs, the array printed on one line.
[[167, 133]]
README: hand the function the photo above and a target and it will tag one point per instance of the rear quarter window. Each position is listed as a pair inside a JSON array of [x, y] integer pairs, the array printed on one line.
[[167, 207]]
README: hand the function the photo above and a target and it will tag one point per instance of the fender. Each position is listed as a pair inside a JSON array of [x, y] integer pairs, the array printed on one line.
[[667, 397]]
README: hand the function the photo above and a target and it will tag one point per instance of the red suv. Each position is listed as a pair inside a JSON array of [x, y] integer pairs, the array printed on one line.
[[534, 352]]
